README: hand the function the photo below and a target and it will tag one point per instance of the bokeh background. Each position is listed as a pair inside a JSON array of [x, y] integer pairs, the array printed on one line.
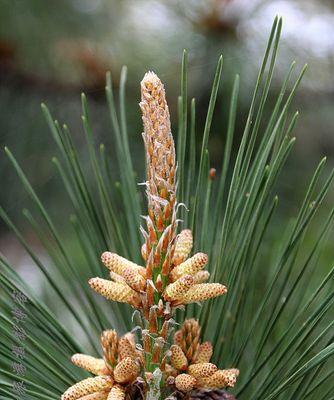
[[53, 50]]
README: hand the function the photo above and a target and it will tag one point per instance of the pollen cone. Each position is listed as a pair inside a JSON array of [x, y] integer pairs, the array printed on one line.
[[183, 246], [116, 393], [114, 291], [203, 291], [91, 364], [87, 386], [190, 266]]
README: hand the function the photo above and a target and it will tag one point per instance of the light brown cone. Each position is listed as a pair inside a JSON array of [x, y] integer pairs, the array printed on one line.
[[178, 358], [126, 349], [119, 264], [201, 276], [116, 393], [190, 266], [115, 291], [87, 386], [179, 288], [205, 352], [134, 279], [185, 382], [96, 396], [96, 366], [203, 291], [203, 370], [183, 246], [126, 371], [221, 379]]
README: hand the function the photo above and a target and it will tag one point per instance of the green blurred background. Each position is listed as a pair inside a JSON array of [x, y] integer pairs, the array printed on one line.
[[53, 50]]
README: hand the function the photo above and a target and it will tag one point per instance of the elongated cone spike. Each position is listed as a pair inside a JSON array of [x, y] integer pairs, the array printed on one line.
[[203, 370], [116, 393], [183, 246], [178, 359], [221, 379], [201, 276], [203, 291], [96, 396], [109, 344], [126, 371], [185, 382], [87, 386], [118, 264], [134, 280], [179, 288], [96, 366], [126, 349], [115, 291], [159, 143], [190, 266], [205, 352]]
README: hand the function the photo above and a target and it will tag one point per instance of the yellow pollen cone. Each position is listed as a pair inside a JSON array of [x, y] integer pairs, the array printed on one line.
[[201, 276], [126, 371], [126, 349], [203, 370], [190, 266], [205, 352], [179, 288], [116, 393], [114, 291], [87, 386], [183, 246], [96, 396], [91, 364], [134, 279], [178, 359], [221, 379], [185, 383], [119, 264], [203, 291]]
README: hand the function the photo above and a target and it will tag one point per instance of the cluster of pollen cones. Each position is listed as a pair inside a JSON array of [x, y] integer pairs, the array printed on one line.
[[170, 278]]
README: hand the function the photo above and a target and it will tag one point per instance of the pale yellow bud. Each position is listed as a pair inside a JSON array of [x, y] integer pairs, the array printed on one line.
[[183, 246], [126, 371], [114, 291], [185, 383], [190, 266], [178, 358], [205, 352], [203, 291], [91, 364], [203, 370], [119, 264], [87, 386], [179, 288], [116, 393]]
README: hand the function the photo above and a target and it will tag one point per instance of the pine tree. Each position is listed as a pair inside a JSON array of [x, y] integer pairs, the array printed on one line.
[[278, 337]]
